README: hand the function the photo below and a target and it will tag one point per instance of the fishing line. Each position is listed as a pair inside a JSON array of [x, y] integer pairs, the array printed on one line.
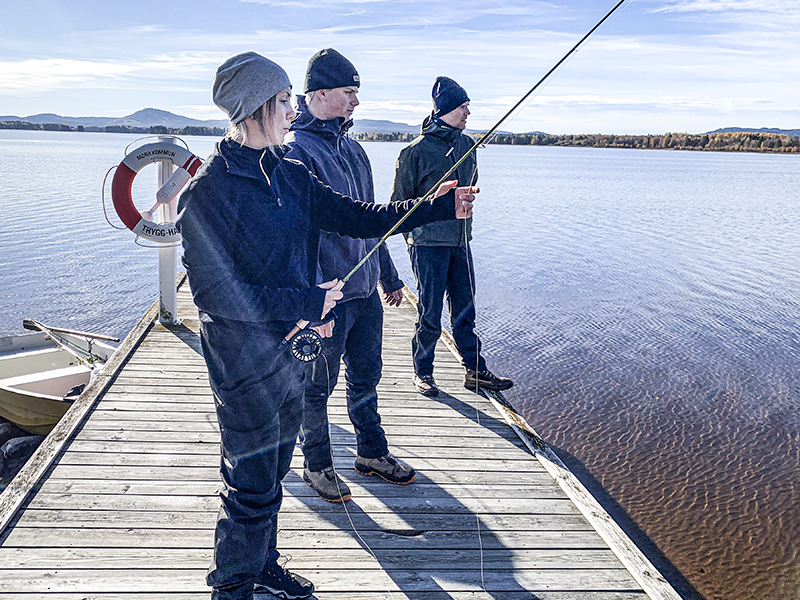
[[302, 324], [339, 489], [471, 282]]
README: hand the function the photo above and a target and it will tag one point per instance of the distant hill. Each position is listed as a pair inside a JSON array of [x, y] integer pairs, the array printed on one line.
[[148, 117], [380, 126], [792, 132], [151, 117]]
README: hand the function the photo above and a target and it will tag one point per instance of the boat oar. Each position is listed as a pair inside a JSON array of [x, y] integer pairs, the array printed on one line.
[[79, 354], [35, 326]]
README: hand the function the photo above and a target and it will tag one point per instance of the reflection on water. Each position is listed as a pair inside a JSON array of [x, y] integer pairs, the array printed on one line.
[[645, 302], [61, 263]]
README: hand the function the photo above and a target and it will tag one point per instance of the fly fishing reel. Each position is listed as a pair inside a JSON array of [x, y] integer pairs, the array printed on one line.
[[306, 345]]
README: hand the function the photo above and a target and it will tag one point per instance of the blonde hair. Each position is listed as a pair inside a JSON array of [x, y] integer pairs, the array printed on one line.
[[264, 116]]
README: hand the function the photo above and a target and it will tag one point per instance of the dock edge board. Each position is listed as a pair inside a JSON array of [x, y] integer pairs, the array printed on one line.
[[17, 492], [633, 559]]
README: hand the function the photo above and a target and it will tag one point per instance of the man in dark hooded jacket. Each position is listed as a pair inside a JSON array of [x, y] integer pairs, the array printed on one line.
[[319, 140], [440, 254]]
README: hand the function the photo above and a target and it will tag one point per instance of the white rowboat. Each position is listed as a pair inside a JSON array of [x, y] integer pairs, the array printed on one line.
[[42, 373]]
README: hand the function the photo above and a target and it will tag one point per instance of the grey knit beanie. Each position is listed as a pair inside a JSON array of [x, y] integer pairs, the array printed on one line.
[[246, 81]]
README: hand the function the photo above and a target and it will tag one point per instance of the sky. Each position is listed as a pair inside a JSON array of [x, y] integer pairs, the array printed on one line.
[[656, 66]]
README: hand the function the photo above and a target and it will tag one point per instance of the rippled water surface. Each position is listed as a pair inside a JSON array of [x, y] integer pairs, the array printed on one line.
[[645, 303]]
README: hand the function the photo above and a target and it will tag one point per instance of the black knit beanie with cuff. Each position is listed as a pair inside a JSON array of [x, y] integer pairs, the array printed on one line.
[[328, 69], [447, 96]]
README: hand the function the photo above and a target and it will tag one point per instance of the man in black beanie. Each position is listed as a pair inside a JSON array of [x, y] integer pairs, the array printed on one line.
[[319, 140], [440, 253]]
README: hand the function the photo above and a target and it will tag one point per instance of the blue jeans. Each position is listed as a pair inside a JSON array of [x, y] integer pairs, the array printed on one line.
[[440, 270], [258, 392], [357, 337]]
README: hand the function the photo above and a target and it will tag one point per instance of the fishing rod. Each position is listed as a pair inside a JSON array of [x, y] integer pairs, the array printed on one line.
[[306, 345]]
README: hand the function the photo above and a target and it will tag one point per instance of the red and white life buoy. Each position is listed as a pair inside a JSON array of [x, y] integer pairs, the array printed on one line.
[[187, 165]]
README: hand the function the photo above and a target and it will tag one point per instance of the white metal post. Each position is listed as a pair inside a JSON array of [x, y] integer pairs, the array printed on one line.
[[167, 252]]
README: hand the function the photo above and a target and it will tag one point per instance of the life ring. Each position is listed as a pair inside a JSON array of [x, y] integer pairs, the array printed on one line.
[[187, 165]]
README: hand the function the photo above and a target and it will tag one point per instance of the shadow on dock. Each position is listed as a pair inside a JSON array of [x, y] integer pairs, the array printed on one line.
[[407, 545]]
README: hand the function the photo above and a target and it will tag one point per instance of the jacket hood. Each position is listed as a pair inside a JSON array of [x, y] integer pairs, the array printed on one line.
[[305, 121], [248, 162], [433, 125]]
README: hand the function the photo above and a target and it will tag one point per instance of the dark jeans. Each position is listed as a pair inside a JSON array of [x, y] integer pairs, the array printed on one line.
[[440, 270], [258, 392], [357, 336]]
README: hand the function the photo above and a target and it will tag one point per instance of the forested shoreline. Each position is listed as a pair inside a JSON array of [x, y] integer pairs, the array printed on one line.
[[740, 141], [153, 130], [717, 142]]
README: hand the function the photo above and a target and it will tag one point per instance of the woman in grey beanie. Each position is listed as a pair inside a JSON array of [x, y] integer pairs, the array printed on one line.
[[250, 222]]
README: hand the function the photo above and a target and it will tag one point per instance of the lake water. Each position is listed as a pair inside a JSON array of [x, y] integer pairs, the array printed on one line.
[[645, 303]]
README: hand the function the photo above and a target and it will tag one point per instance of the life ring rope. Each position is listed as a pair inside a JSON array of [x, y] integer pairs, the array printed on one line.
[[142, 224], [103, 198]]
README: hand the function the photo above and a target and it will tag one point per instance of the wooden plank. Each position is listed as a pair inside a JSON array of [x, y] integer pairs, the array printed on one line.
[[121, 420], [305, 519], [176, 419], [486, 465], [71, 537], [17, 491], [494, 443], [211, 474], [360, 486], [206, 409], [333, 558], [401, 448], [169, 581], [367, 503]]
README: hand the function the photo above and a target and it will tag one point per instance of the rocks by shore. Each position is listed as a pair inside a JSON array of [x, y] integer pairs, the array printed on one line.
[[16, 447]]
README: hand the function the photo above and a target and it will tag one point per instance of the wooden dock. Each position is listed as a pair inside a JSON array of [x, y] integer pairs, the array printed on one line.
[[120, 500]]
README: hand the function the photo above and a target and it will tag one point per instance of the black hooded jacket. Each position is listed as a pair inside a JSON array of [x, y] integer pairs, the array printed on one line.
[[421, 164]]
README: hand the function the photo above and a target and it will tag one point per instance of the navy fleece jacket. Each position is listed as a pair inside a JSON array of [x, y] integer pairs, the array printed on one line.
[[340, 162], [250, 222]]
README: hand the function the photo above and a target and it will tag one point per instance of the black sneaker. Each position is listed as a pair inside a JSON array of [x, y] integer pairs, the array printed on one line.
[[486, 380], [282, 583], [426, 385]]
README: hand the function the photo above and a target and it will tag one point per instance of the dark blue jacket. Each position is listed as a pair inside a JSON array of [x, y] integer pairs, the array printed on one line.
[[250, 222], [340, 162], [421, 164]]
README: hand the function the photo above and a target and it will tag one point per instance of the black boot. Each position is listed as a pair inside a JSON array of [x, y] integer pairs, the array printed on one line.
[[486, 380]]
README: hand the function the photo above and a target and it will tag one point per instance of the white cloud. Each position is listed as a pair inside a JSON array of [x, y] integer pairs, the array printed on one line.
[[719, 6], [659, 55], [204, 112], [38, 75]]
